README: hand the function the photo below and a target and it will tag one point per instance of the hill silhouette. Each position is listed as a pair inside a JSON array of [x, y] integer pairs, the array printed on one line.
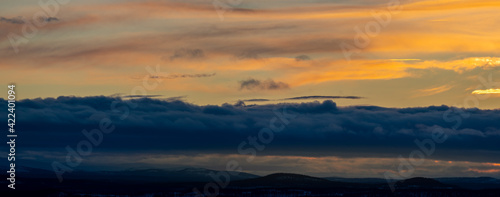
[[289, 180], [421, 182], [180, 182]]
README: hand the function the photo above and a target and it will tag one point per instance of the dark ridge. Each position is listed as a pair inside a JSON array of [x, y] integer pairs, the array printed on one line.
[[421, 182], [288, 180]]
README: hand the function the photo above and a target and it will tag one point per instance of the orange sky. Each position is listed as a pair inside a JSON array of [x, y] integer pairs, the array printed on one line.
[[422, 53]]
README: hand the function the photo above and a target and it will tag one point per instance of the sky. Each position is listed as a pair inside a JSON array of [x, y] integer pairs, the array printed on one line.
[[372, 76], [422, 53]]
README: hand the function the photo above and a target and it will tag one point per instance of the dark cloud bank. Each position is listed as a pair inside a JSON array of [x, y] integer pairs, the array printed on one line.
[[320, 129]]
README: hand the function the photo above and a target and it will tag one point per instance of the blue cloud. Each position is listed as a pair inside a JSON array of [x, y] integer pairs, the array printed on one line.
[[320, 129]]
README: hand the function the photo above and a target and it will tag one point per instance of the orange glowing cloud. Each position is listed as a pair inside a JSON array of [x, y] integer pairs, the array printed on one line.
[[487, 91], [433, 91]]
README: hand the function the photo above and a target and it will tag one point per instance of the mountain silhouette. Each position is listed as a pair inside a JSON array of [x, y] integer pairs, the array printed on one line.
[[421, 182], [181, 181], [288, 180], [472, 182]]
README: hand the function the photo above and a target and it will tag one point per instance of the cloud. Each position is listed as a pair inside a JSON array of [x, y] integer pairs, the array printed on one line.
[[187, 54], [487, 91], [320, 129], [302, 58], [140, 96], [17, 20], [304, 98], [51, 19], [255, 84], [237, 30], [20, 20], [323, 97], [257, 100], [316, 166], [248, 55], [433, 90], [175, 98], [264, 165], [175, 76]]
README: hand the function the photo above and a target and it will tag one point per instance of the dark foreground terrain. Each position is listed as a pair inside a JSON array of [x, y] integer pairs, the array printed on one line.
[[192, 181]]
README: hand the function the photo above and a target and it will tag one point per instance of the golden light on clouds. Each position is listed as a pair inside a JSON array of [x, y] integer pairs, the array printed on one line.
[[85, 49], [433, 91], [487, 91]]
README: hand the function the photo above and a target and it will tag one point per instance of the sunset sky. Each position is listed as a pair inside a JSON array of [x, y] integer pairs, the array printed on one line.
[[356, 52], [429, 53]]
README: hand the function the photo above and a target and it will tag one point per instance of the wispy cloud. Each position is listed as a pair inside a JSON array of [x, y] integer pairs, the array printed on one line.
[[258, 100], [17, 20], [20, 20], [487, 91], [274, 40], [303, 98], [302, 58], [188, 54], [140, 96], [323, 97], [405, 60], [175, 76], [255, 84], [175, 98], [50, 19], [433, 91]]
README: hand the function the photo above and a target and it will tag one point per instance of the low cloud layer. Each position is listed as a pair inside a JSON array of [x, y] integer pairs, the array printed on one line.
[[320, 129]]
